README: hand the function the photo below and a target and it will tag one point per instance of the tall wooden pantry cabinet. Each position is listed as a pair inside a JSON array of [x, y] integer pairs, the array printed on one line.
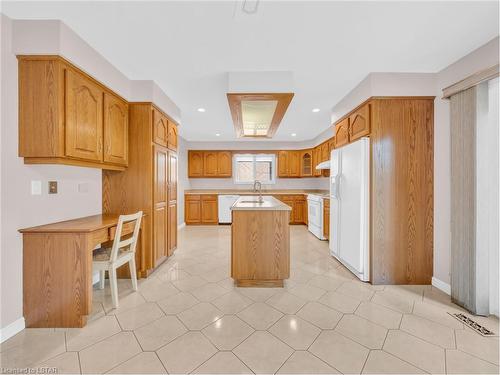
[[149, 183]]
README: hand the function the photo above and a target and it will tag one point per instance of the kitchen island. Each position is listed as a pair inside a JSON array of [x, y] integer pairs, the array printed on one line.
[[260, 242]]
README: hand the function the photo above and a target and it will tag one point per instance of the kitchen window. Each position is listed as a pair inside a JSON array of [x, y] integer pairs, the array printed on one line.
[[251, 167]]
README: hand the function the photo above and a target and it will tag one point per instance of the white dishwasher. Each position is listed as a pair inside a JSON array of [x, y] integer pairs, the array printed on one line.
[[225, 203]]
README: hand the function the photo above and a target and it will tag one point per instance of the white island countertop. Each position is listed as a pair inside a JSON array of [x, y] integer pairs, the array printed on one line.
[[251, 203]]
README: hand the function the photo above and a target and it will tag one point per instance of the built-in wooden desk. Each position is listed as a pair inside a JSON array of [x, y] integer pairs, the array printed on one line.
[[57, 269]]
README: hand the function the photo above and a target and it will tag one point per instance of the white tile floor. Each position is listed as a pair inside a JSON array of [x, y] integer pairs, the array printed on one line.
[[189, 318]]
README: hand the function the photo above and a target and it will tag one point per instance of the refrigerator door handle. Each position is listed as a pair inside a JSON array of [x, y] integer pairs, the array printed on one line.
[[335, 186]]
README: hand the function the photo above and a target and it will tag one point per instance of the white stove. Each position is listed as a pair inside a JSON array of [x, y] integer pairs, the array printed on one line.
[[315, 215]]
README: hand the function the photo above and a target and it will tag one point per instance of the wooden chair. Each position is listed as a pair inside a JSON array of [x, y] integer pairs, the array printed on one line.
[[121, 252]]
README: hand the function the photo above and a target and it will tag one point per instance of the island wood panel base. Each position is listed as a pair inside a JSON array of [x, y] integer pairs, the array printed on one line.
[[260, 247], [57, 279], [259, 283]]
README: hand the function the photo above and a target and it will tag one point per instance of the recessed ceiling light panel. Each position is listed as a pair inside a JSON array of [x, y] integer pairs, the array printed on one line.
[[315, 110], [258, 115], [201, 109], [293, 134]]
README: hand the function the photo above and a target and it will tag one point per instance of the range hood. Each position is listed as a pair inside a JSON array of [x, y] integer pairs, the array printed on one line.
[[324, 165]]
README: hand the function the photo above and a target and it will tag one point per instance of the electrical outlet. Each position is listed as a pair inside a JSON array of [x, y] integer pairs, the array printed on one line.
[[52, 187]]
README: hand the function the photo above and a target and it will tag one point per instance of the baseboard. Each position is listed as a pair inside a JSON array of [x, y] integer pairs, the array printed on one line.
[[12, 329], [180, 226], [441, 285]]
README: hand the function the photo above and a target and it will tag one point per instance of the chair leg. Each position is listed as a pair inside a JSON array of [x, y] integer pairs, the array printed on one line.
[[114, 286], [102, 278], [133, 273]]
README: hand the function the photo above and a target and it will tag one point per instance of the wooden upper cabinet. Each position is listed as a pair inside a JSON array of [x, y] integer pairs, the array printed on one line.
[[316, 160], [160, 128], [325, 154], [115, 130], [84, 119], [67, 117], [210, 164], [306, 163], [294, 164], [172, 176], [359, 123], [195, 163], [283, 163], [224, 164], [172, 136], [331, 144], [342, 133]]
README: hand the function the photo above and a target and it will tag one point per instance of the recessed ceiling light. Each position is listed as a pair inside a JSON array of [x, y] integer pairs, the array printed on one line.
[[217, 134], [294, 134], [316, 110], [201, 109]]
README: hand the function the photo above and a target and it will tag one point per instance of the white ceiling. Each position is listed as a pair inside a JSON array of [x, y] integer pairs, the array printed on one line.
[[188, 47]]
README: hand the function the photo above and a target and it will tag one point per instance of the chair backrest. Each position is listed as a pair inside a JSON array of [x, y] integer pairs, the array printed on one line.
[[118, 243]]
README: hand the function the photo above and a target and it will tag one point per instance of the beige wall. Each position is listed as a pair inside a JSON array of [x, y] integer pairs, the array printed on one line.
[[19, 208], [79, 188]]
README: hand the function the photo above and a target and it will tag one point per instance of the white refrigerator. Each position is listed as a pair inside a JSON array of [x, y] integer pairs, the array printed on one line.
[[350, 205]]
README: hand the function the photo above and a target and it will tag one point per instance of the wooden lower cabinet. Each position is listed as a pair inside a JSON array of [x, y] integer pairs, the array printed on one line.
[[172, 228], [160, 233], [298, 203], [299, 210], [209, 209], [201, 209], [326, 218]]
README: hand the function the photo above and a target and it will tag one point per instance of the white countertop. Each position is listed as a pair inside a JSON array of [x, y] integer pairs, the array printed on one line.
[[250, 203]]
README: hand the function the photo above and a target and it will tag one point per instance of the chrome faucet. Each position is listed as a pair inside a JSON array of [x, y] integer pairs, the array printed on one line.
[[258, 184]]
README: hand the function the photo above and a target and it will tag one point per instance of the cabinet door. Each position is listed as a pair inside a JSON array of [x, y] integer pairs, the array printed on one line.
[[160, 128], [192, 209], [298, 211], [195, 164], [359, 122], [316, 160], [172, 136], [172, 228], [294, 164], [160, 203], [115, 130], [306, 163], [283, 164], [326, 218], [209, 212], [160, 233], [342, 133], [224, 164], [210, 164], [324, 152], [172, 177], [331, 146], [84, 119]]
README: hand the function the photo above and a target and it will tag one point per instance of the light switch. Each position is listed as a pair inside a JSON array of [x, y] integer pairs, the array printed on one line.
[[36, 187], [52, 187]]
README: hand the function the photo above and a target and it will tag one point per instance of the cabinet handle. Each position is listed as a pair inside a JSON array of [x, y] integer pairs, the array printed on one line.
[[100, 145]]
